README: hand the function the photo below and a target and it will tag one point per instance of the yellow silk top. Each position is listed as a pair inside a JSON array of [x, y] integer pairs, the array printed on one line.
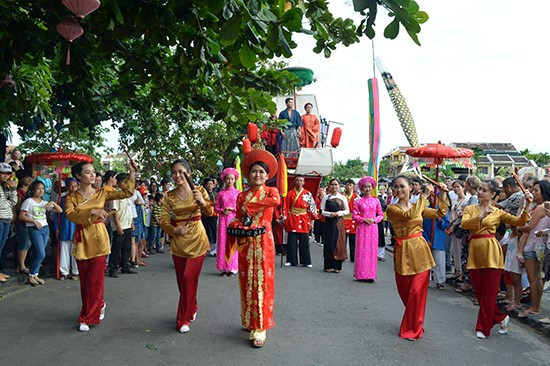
[[414, 255], [95, 239], [487, 252], [195, 242]]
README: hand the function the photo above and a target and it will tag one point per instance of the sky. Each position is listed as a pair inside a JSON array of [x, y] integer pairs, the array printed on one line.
[[481, 75]]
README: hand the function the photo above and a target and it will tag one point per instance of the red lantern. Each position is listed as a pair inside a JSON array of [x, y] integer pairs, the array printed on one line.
[[336, 135], [246, 146], [253, 132], [81, 8], [70, 29]]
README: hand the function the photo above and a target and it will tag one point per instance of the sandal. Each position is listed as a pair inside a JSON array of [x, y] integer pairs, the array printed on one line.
[[62, 278], [439, 286], [330, 270], [525, 313], [76, 277], [513, 307], [475, 302], [461, 290], [257, 343]]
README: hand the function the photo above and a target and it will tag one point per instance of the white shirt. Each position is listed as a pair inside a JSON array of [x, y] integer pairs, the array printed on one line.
[[35, 211], [133, 199], [124, 209], [339, 196]]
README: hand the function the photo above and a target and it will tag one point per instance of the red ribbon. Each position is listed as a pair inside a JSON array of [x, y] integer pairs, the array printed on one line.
[[399, 240]]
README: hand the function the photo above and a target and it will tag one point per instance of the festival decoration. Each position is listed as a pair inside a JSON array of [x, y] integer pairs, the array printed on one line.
[[336, 135], [399, 104], [81, 8], [247, 147], [70, 29], [239, 182], [282, 176], [56, 166], [374, 129], [253, 135]]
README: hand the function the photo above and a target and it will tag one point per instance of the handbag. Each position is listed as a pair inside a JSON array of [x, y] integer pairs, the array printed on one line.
[[458, 231]]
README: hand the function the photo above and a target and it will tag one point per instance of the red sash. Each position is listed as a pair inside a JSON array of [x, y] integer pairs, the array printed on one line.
[[194, 218], [482, 236], [399, 240], [78, 231]]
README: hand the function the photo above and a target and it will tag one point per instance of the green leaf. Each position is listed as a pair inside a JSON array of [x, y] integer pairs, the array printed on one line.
[[414, 37], [321, 29], [227, 13], [292, 19], [421, 17], [413, 8], [392, 30], [369, 32], [251, 34], [116, 10], [247, 56], [272, 37], [360, 5], [230, 30], [287, 52]]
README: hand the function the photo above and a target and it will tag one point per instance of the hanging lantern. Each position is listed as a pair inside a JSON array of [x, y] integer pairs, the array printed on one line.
[[81, 8], [336, 135], [7, 82], [253, 132], [70, 29], [247, 147]]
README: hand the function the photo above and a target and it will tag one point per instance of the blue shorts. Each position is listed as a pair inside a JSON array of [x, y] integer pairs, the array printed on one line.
[[530, 255]]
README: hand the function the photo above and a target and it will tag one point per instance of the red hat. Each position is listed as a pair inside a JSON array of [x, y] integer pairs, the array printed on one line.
[[142, 190], [260, 155]]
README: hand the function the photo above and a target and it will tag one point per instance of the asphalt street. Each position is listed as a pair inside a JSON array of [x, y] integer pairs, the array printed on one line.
[[322, 319]]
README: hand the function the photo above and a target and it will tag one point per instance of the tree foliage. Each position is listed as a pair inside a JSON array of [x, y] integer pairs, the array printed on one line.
[[167, 66], [352, 168]]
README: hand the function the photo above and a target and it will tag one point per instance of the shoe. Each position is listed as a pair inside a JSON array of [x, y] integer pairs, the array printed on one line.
[[411, 339], [161, 251], [76, 277], [288, 264], [113, 274], [439, 286], [480, 335], [144, 255], [504, 325], [525, 313], [102, 313], [309, 266], [151, 252], [84, 327], [184, 328], [62, 278], [134, 265], [129, 271], [370, 280], [31, 281], [381, 259], [194, 317], [40, 281], [544, 320]]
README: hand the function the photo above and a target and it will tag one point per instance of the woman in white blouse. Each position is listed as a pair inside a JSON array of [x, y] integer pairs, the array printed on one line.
[[334, 207]]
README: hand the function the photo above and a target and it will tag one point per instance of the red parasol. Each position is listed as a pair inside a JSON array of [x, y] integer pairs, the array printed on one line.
[[438, 153], [70, 29], [56, 163], [81, 8]]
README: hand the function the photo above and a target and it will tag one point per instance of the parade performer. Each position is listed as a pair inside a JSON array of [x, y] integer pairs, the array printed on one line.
[[301, 209], [485, 257], [91, 243], [334, 207], [226, 204], [310, 128], [412, 255], [367, 212], [256, 254], [189, 240], [350, 223], [292, 133]]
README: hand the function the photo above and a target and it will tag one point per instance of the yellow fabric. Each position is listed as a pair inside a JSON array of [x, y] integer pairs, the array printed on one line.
[[415, 255], [194, 243], [487, 252], [298, 211], [350, 214], [95, 239], [260, 335]]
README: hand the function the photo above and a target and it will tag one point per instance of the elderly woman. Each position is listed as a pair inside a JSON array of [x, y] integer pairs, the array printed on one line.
[[367, 212]]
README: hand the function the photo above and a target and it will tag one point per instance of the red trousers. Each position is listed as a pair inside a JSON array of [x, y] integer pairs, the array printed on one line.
[[92, 280], [187, 275], [413, 290], [486, 283]]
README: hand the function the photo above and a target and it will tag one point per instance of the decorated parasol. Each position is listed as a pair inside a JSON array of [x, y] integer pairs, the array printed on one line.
[[439, 154], [56, 165]]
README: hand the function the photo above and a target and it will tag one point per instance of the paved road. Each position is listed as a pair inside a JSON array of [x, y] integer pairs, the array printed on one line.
[[322, 319]]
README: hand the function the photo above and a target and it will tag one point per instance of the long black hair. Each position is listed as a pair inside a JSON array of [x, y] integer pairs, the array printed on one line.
[[544, 189], [33, 187], [183, 162]]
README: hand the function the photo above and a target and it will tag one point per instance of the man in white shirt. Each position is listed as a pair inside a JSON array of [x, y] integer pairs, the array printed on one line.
[[122, 235]]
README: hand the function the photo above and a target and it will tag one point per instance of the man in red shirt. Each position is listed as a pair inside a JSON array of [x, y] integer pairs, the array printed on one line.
[[351, 225], [300, 209]]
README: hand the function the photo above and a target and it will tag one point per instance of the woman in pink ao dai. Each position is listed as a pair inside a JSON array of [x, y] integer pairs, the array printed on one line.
[[367, 212]]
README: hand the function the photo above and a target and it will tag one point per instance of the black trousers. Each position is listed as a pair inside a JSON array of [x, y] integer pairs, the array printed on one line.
[[351, 241], [318, 230], [121, 250], [210, 224], [298, 241]]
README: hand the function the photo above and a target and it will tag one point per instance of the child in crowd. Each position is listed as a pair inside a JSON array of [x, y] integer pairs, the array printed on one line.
[[155, 232], [8, 199], [66, 228], [33, 212]]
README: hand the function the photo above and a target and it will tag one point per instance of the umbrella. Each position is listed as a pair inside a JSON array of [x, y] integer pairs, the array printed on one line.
[[399, 104], [58, 165], [439, 153]]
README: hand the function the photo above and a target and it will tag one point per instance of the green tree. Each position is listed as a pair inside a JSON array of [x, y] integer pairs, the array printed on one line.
[[352, 168], [541, 159]]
